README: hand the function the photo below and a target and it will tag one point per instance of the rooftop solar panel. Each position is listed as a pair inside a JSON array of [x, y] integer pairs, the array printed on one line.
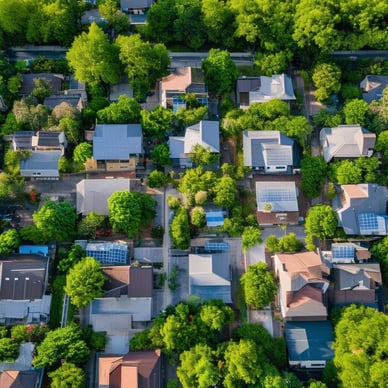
[[341, 251], [276, 196], [368, 222]]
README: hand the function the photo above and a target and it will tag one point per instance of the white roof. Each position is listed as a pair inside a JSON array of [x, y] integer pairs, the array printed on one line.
[[278, 86], [281, 196]]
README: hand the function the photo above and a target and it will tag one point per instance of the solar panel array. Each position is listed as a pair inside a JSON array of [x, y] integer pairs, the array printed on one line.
[[216, 246], [342, 251], [110, 254], [276, 196], [368, 221]]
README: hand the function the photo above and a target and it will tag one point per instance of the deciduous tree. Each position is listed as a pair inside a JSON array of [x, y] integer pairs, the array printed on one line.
[[355, 112], [321, 222], [67, 375], [82, 152], [250, 237], [157, 178], [197, 216], [84, 282], [180, 230], [125, 111], [156, 122], [327, 80], [202, 156], [160, 155], [9, 241], [313, 171], [225, 191]]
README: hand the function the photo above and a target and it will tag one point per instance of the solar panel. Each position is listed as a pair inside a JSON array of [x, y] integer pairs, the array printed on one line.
[[216, 246], [342, 251], [276, 196], [108, 254], [368, 222]]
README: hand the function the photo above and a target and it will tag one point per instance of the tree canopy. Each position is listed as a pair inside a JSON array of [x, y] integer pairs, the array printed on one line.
[[313, 170], [67, 375], [125, 111], [259, 285], [180, 229]]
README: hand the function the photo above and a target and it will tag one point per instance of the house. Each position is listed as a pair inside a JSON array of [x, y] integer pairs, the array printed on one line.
[[302, 286], [140, 369], [346, 253], [362, 209], [39, 141], [355, 283], [126, 302], [277, 203], [372, 87], [136, 9], [252, 90], [209, 276], [53, 80], [118, 146], [41, 165], [21, 379], [74, 100], [108, 253], [92, 194], [268, 151], [346, 142], [120, 89], [183, 80], [309, 344], [23, 280], [205, 133]]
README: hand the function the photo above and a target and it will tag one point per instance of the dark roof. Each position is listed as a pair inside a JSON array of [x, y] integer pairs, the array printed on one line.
[[23, 140], [48, 138], [19, 379], [55, 100], [246, 84], [136, 282], [22, 277], [54, 80], [135, 4]]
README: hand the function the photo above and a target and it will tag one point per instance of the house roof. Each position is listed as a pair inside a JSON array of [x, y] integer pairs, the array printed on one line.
[[246, 84], [56, 99], [184, 78], [19, 379], [205, 133], [122, 88], [209, 276], [135, 4], [346, 141], [361, 209], [117, 141], [54, 80], [44, 162], [278, 86], [309, 341], [357, 276], [22, 140], [263, 148], [139, 369], [50, 138], [93, 194], [281, 196], [373, 86], [23, 277]]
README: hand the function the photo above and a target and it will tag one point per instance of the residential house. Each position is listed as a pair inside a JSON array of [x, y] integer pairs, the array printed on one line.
[[277, 203], [372, 87], [118, 146], [74, 100], [46, 149], [362, 209], [108, 253], [209, 275], [21, 379], [205, 133], [309, 344], [356, 283], [261, 89], [140, 369], [345, 253], [183, 80], [268, 152], [53, 80], [346, 142], [92, 194], [302, 286], [125, 305], [136, 9], [23, 280]]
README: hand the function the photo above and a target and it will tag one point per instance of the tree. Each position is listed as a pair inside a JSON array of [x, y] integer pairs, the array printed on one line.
[[93, 58], [202, 156], [198, 216], [62, 344], [63, 110], [157, 178], [156, 122], [74, 256], [198, 367], [355, 111], [68, 375], [9, 241], [360, 347], [345, 172], [9, 350], [220, 72], [118, 21], [82, 152], [313, 170], [130, 211], [84, 282], [56, 221], [326, 78], [225, 191], [250, 237], [216, 315], [125, 111], [289, 243], [273, 63], [180, 230], [142, 61], [259, 286], [379, 250], [321, 222], [71, 128], [161, 155]]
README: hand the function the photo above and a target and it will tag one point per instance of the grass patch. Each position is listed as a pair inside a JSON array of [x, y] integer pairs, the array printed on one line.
[[57, 301]]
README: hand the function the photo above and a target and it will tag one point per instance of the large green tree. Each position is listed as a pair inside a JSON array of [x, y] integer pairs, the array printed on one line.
[[180, 229], [313, 170], [220, 72], [259, 285], [84, 282], [130, 211], [250, 237], [93, 58], [9, 241], [82, 152], [156, 122], [125, 111], [62, 344], [355, 112], [225, 192], [327, 80], [160, 155], [202, 156], [67, 375], [56, 221]]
